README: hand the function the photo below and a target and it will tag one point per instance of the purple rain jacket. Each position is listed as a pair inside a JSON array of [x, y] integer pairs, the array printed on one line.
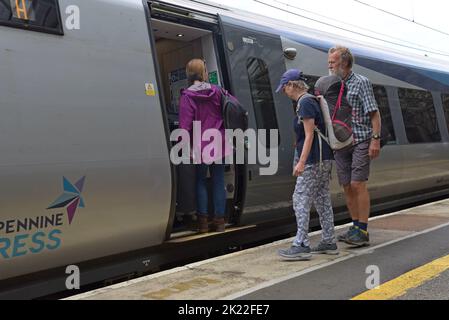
[[202, 102]]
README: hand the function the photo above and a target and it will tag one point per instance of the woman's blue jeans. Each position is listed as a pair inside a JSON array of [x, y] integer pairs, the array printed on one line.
[[219, 192]]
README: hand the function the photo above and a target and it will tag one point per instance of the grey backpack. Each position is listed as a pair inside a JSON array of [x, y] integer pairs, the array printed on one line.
[[337, 112]]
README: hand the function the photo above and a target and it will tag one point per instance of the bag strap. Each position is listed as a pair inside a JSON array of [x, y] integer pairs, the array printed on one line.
[[300, 119], [224, 94], [321, 137], [223, 91], [340, 98], [316, 130]]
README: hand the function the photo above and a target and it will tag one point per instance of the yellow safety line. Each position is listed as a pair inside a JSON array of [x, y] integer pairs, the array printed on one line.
[[399, 286]]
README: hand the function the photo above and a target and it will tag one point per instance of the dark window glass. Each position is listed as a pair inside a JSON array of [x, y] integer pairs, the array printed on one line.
[[311, 80], [445, 98], [37, 15], [419, 115], [262, 95], [380, 93]]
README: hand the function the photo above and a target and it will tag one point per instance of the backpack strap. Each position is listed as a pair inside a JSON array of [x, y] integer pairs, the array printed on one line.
[[223, 90], [224, 94], [340, 98], [320, 135]]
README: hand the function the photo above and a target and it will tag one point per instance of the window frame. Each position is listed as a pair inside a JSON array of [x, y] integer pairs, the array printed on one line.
[[445, 96], [31, 27], [256, 109], [401, 105], [392, 132], [273, 104]]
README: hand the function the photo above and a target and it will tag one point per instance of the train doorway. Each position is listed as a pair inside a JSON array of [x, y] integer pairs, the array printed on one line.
[[176, 42]]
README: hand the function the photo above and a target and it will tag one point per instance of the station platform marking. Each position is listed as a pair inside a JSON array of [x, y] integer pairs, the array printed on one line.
[[410, 280], [237, 274], [359, 252]]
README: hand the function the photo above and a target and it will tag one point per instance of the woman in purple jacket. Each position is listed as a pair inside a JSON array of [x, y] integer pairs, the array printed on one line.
[[201, 104]]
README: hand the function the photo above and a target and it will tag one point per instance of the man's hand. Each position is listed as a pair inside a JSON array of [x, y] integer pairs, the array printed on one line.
[[374, 149], [299, 169]]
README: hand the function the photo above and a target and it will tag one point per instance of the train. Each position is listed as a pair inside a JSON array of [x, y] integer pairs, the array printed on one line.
[[87, 107]]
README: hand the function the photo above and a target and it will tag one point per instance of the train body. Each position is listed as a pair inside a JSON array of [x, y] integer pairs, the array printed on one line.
[[86, 115]]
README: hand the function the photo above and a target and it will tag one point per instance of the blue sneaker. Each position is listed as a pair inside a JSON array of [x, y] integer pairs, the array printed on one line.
[[325, 248], [358, 239], [343, 237], [296, 254]]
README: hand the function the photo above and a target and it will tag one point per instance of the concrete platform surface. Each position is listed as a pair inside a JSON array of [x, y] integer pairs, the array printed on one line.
[[238, 274]]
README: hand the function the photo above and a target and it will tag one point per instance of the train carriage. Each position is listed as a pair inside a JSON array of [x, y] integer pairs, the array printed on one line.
[[86, 115]]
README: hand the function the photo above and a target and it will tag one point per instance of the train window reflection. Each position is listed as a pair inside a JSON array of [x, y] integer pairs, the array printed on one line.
[[419, 115], [37, 15], [445, 98], [380, 93], [262, 95]]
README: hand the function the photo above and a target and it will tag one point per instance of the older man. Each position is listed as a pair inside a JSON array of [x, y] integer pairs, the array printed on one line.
[[353, 164]]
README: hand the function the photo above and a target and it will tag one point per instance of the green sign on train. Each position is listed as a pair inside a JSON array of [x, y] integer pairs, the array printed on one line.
[[213, 77]]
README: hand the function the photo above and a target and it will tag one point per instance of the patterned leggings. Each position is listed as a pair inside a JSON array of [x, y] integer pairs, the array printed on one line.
[[312, 187]]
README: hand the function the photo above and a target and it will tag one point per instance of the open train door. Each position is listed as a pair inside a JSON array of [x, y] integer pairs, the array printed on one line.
[[255, 62]]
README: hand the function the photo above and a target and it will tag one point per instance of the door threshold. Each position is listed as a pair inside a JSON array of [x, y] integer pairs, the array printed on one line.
[[194, 235]]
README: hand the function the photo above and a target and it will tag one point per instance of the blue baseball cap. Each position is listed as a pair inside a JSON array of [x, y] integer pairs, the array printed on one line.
[[290, 75]]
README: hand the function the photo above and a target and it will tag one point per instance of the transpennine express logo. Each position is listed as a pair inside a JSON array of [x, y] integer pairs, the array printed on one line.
[[71, 198], [33, 235]]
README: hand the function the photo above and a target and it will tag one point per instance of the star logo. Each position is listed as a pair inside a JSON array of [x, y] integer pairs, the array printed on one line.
[[71, 198]]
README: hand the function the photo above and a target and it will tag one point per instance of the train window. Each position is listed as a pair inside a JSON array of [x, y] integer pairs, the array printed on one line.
[[37, 15], [380, 93], [419, 115], [445, 98], [262, 95]]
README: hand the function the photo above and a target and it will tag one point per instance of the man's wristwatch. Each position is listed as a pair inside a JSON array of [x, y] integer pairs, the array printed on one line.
[[376, 136]]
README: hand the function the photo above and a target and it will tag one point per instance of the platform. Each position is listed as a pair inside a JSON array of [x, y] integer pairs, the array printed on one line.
[[401, 243]]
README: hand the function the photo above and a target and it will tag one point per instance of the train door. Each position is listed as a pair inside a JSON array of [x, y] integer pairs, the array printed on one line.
[[256, 62], [177, 38]]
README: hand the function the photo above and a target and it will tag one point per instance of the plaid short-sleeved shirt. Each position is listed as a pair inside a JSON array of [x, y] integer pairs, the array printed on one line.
[[361, 97]]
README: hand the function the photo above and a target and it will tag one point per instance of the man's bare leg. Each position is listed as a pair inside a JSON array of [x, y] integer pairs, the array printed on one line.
[[361, 198], [351, 202]]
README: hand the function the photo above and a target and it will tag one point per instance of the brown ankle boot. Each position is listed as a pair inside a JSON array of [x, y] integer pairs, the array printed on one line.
[[203, 224], [219, 225]]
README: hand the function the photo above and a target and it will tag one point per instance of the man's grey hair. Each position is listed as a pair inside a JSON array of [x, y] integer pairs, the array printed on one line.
[[345, 55]]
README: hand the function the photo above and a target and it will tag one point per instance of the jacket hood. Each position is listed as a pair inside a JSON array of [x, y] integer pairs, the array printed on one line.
[[199, 92]]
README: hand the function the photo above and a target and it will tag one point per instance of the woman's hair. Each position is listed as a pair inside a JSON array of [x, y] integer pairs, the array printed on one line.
[[299, 84], [196, 71]]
